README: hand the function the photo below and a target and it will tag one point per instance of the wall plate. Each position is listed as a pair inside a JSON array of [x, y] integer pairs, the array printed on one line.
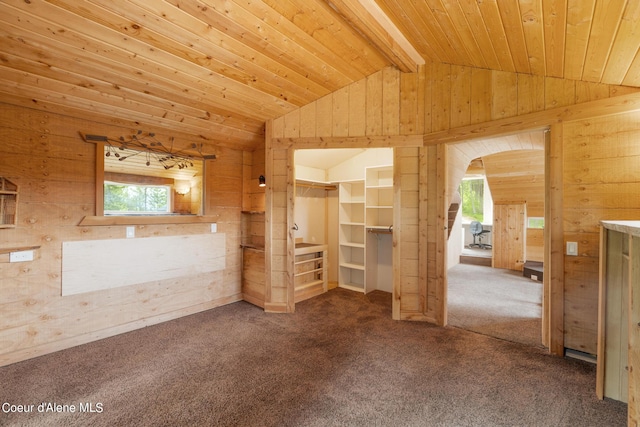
[[21, 256]]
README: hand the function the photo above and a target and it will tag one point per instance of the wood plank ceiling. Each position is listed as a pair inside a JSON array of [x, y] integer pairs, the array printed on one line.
[[219, 69]]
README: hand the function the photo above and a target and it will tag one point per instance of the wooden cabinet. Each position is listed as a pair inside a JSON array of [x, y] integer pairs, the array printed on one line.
[[8, 203], [253, 257], [253, 275], [618, 369]]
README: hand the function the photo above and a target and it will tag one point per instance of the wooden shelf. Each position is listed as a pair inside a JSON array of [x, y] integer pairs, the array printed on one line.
[[352, 244], [316, 185], [315, 270], [5, 253], [307, 260], [352, 287], [309, 284], [352, 265], [310, 272], [147, 220], [18, 249]]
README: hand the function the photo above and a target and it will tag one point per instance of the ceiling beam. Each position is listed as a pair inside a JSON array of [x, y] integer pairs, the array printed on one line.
[[371, 21]]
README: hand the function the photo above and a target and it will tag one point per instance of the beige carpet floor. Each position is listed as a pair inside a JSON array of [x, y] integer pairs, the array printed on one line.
[[340, 360], [495, 302]]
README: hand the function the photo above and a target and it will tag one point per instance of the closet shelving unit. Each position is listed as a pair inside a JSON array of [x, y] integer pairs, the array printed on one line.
[[351, 235], [379, 198], [379, 223], [366, 209]]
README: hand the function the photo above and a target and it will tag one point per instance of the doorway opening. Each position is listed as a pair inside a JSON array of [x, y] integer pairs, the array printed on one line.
[[344, 201], [492, 245]]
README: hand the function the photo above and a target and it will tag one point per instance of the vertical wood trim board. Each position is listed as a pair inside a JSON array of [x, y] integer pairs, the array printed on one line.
[[99, 178], [396, 236], [442, 207], [290, 243], [634, 332], [602, 304], [94, 265], [555, 270]]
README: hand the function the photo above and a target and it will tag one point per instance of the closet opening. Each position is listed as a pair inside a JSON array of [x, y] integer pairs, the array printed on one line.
[[343, 207]]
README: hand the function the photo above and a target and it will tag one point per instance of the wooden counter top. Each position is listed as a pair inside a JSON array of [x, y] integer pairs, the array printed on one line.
[[628, 227]]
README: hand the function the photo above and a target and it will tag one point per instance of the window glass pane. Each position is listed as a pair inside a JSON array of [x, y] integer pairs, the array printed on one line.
[[472, 195], [131, 198], [535, 222]]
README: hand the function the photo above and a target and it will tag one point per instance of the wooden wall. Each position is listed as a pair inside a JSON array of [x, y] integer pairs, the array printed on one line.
[[601, 182], [519, 176], [442, 103], [55, 171]]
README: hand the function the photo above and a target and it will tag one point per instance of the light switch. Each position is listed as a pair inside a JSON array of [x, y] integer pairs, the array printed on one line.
[[131, 232], [214, 227], [572, 248]]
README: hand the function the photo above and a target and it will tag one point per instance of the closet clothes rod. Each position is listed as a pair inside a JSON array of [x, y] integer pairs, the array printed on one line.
[[380, 230]]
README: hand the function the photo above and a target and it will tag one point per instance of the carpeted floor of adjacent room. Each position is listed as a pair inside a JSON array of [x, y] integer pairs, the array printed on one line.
[[496, 302], [340, 360]]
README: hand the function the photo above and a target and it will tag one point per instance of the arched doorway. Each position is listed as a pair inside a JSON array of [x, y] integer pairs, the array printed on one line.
[[497, 299]]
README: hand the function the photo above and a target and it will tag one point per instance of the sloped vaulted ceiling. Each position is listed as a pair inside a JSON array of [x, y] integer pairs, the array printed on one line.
[[220, 69]]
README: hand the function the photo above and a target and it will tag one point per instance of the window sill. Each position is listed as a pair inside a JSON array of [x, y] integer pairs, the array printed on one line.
[[147, 220]]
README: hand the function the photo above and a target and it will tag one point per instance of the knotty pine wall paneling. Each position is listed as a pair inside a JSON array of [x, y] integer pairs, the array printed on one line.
[[55, 170], [519, 175], [410, 299], [449, 99], [279, 277], [601, 182]]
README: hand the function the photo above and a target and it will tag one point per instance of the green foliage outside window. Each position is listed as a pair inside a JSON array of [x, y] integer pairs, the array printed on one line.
[[128, 198], [535, 222], [472, 195]]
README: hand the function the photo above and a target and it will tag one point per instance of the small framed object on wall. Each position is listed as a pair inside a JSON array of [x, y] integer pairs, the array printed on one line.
[[8, 203]]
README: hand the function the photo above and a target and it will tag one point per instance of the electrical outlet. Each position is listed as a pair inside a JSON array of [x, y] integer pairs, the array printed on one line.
[[131, 232], [21, 256]]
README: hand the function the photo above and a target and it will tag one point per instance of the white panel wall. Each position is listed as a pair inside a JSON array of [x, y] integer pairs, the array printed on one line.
[[354, 167], [310, 214]]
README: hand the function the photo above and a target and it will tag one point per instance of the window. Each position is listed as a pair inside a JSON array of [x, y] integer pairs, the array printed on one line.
[[535, 222], [472, 196], [130, 199]]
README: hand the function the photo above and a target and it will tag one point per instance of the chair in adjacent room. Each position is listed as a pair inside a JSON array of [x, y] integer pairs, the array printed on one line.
[[478, 232]]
